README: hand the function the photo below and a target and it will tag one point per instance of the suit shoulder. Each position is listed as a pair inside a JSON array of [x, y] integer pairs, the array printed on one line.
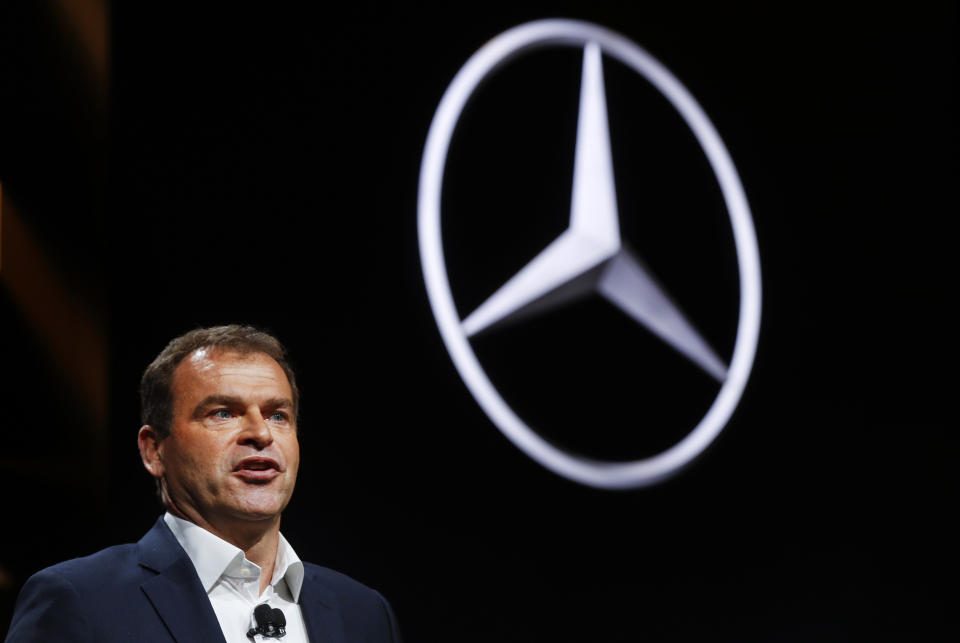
[[111, 561], [348, 591], [362, 608], [53, 604]]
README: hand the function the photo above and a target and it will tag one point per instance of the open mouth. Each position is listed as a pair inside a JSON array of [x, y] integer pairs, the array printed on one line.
[[257, 469]]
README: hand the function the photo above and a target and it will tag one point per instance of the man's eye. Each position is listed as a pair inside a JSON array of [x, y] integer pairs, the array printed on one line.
[[279, 417], [221, 414]]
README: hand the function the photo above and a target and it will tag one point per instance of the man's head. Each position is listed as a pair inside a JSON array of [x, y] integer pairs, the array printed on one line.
[[156, 394], [220, 432]]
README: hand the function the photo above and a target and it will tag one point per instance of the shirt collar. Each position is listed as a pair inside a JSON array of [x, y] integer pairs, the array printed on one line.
[[212, 556], [288, 567]]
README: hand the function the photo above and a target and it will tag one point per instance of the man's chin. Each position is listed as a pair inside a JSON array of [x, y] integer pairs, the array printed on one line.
[[254, 502], [257, 509]]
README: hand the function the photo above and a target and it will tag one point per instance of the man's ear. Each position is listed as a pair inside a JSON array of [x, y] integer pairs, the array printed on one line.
[[150, 452]]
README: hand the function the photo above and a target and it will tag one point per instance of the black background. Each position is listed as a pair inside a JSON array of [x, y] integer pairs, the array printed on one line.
[[263, 167]]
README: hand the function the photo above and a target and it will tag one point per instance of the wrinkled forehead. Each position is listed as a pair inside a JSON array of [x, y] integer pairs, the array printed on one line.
[[209, 367], [208, 358]]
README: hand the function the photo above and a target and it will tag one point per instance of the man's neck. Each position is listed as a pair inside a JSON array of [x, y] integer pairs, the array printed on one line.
[[259, 539]]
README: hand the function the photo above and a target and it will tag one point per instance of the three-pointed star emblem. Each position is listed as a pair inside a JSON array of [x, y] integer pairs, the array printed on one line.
[[589, 256]]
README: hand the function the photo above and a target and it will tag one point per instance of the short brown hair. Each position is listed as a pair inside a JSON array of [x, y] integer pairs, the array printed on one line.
[[156, 393]]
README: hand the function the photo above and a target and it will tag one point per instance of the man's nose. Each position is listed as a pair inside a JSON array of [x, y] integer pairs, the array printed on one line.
[[256, 431]]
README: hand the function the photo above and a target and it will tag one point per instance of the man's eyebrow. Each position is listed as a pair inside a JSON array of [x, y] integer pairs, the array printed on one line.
[[216, 400], [278, 403]]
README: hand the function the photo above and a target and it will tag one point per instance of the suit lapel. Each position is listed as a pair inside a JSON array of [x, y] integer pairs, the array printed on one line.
[[320, 612], [181, 602], [175, 592]]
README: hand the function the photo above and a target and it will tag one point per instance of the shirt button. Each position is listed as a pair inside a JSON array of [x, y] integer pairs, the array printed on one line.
[[245, 572]]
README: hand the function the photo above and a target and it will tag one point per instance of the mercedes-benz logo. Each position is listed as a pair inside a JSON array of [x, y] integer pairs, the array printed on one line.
[[589, 257]]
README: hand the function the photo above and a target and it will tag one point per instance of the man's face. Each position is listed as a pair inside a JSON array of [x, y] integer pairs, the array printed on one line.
[[232, 453]]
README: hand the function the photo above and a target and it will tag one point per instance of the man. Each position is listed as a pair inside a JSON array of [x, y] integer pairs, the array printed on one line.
[[219, 435]]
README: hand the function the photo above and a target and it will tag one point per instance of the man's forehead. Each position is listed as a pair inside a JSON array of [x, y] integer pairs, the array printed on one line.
[[204, 356], [201, 359], [214, 362]]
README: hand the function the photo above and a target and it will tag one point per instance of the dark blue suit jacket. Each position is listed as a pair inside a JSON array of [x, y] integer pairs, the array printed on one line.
[[150, 592]]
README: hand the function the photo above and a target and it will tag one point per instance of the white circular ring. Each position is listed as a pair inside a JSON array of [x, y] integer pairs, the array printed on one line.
[[608, 475]]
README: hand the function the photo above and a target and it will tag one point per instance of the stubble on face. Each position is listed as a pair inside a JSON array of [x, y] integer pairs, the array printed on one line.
[[232, 455]]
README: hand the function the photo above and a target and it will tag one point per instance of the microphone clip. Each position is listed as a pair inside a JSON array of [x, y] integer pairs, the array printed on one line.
[[271, 623]]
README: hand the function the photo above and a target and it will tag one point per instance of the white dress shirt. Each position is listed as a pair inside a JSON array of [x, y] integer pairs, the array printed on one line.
[[232, 582]]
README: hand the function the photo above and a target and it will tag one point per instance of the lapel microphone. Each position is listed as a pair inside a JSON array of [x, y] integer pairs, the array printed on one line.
[[271, 623]]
